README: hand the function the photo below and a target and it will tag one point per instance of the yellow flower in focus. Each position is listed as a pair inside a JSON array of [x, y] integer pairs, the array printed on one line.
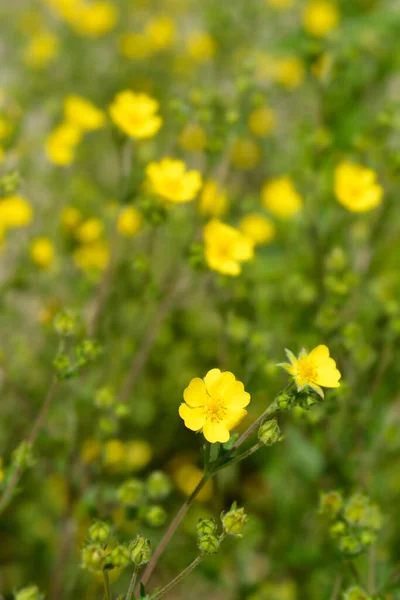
[[192, 138], [213, 201], [161, 32], [15, 212], [214, 405], [245, 154], [135, 114], [356, 187], [92, 257], [187, 476], [135, 46], [61, 144], [226, 247], [201, 46], [82, 113], [170, 180], [283, 4], [320, 17], [290, 72], [258, 228], [70, 217], [129, 221], [315, 370], [90, 451], [138, 454], [281, 198], [42, 252], [262, 121], [42, 49], [90, 231]]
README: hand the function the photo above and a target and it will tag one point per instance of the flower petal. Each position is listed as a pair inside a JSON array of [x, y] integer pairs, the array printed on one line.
[[234, 417], [211, 379], [194, 417], [319, 352], [195, 394], [235, 396], [216, 432], [328, 377], [290, 356]]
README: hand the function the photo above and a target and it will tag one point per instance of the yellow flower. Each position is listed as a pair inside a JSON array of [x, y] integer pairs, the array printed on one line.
[[290, 72], [94, 19], [42, 252], [92, 257], [262, 121], [214, 405], [170, 180], [160, 32], [187, 476], [61, 144], [138, 454], [315, 370], [82, 113], [42, 49], [135, 114], [213, 201], [90, 231], [226, 247], [320, 17], [90, 451], [245, 154], [70, 217], [192, 138], [281, 198], [258, 228], [201, 46], [356, 187], [135, 46], [15, 212], [129, 221]]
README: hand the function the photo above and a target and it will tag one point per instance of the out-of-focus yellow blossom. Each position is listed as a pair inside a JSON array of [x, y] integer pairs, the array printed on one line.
[[135, 114], [114, 453], [201, 46], [214, 405], [187, 476], [90, 451], [70, 217], [262, 121], [226, 247], [1, 470], [213, 201], [82, 113], [192, 138], [92, 257], [356, 187], [42, 252], [290, 72], [15, 212], [135, 46], [61, 144], [138, 454], [42, 49], [283, 4], [281, 198], [90, 231], [5, 128], [258, 228], [245, 154], [86, 17], [161, 32], [129, 221], [320, 17], [315, 370], [170, 180]]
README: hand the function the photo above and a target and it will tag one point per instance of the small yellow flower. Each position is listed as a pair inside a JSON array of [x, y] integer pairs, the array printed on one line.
[[320, 17], [94, 19], [201, 46], [90, 231], [245, 154], [82, 113], [187, 476], [170, 180], [214, 405], [213, 201], [92, 257], [42, 252], [161, 32], [61, 144], [135, 114], [258, 228], [135, 46], [129, 221], [90, 451], [262, 121], [42, 49], [315, 370], [356, 187], [70, 217], [281, 198], [290, 72], [138, 454], [226, 247], [192, 138], [15, 212]]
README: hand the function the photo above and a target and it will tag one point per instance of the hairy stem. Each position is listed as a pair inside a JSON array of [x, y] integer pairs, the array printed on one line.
[[132, 583], [107, 588], [179, 578]]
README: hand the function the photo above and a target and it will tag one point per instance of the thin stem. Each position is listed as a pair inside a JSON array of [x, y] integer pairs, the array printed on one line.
[[266, 415], [337, 587], [179, 578], [107, 588], [132, 583], [354, 571], [372, 569], [239, 457]]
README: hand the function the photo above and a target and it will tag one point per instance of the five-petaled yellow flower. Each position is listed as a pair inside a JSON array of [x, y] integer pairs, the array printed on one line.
[[170, 180], [135, 114], [226, 247], [315, 370], [356, 187], [214, 405]]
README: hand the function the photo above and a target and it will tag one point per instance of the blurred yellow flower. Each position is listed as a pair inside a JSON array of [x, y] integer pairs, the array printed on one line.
[[213, 201], [192, 138], [92, 257], [290, 72], [129, 221], [135, 114], [90, 230], [214, 405], [15, 212], [161, 32], [320, 17], [135, 46], [281, 198], [245, 154], [201, 46], [226, 247], [82, 113], [138, 454], [187, 476], [94, 19], [258, 228], [70, 217], [283, 4], [61, 144], [42, 49], [170, 180], [42, 252], [90, 451], [114, 453], [356, 187], [316, 369], [5, 128], [262, 121]]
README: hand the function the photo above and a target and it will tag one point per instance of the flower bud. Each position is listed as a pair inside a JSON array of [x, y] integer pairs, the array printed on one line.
[[23, 456], [87, 351], [356, 510], [29, 593], [99, 531], [234, 520], [269, 432], [338, 529], [131, 492], [330, 504], [158, 485], [349, 544], [119, 556], [140, 550], [63, 366], [208, 544], [206, 527], [105, 397], [66, 323], [356, 593], [155, 516], [93, 557], [284, 401]]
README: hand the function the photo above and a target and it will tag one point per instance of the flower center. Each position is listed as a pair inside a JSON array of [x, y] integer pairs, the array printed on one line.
[[306, 370], [215, 410]]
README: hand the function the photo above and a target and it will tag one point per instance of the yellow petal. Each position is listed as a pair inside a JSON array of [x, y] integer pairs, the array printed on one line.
[[328, 377], [216, 432], [235, 396], [211, 379], [234, 417], [195, 394], [319, 352], [194, 417]]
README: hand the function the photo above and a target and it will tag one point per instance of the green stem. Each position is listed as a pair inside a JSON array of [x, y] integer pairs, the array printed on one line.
[[239, 457], [132, 583], [179, 578], [107, 589]]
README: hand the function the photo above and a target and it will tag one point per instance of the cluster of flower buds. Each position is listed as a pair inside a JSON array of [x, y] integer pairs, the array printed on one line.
[[101, 551], [29, 593], [141, 496], [208, 540]]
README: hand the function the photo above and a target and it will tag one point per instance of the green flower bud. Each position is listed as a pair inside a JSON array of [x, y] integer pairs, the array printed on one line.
[[29, 593], [99, 531], [356, 593], [23, 456], [269, 432], [66, 323], [284, 401], [158, 485], [155, 516], [131, 492], [63, 366], [234, 520], [349, 544], [330, 504], [93, 558], [119, 556], [209, 544], [206, 527], [140, 550], [356, 510], [87, 351], [367, 537], [105, 397], [9, 183], [338, 529], [121, 410]]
